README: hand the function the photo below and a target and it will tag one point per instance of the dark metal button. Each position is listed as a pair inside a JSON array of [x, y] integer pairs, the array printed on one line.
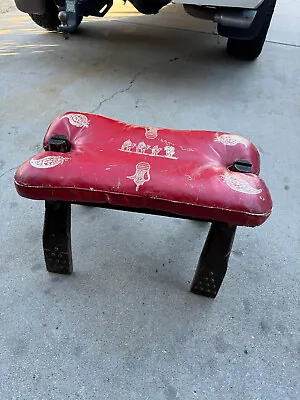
[[241, 165], [59, 143]]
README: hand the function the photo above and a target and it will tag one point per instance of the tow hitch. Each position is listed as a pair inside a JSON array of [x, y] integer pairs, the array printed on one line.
[[73, 8]]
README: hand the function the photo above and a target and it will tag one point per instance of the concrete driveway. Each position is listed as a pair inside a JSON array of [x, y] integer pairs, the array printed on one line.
[[124, 325]]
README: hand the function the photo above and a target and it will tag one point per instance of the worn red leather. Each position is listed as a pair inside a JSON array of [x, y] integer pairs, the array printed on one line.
[[181, 172]]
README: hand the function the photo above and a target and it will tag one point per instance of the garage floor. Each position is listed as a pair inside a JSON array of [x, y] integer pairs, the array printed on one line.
[[124, 325]]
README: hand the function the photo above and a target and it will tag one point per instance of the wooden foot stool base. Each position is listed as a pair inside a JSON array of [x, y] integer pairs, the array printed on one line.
[[90, 159]]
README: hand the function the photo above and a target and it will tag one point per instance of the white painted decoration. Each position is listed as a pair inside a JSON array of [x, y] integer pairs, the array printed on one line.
[[142, 174], [170, 151], [142, 147], [145, 149], [239, 185], [127, 145], [155, 150], [151, 133], [231, 140], [48, 161], [78, 120]]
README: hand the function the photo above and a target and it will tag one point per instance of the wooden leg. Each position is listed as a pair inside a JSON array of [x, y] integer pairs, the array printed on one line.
[[57, 237], [212, 265]]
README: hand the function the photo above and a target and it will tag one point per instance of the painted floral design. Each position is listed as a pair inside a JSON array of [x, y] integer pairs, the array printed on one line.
[[78, 120], [240, 185], [48, 161], [230, 140]]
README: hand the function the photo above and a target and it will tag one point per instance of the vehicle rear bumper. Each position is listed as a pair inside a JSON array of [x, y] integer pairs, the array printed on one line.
[[248, 4]]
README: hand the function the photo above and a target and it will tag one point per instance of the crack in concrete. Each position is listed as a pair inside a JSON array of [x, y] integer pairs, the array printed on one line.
[[133, 80], [282, 43], [131, 83], [9, 170]]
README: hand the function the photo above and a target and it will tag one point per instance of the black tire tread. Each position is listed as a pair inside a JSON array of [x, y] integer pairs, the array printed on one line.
[[251, 49], [49, 20]]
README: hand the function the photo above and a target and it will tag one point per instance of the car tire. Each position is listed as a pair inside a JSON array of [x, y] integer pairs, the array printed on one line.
[[49, 20], [250, 49]]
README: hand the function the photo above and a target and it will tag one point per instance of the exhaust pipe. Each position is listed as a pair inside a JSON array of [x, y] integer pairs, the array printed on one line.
[[233, 17]]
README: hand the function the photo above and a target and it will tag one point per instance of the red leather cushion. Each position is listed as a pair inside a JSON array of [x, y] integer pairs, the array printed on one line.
[[182, 172]]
